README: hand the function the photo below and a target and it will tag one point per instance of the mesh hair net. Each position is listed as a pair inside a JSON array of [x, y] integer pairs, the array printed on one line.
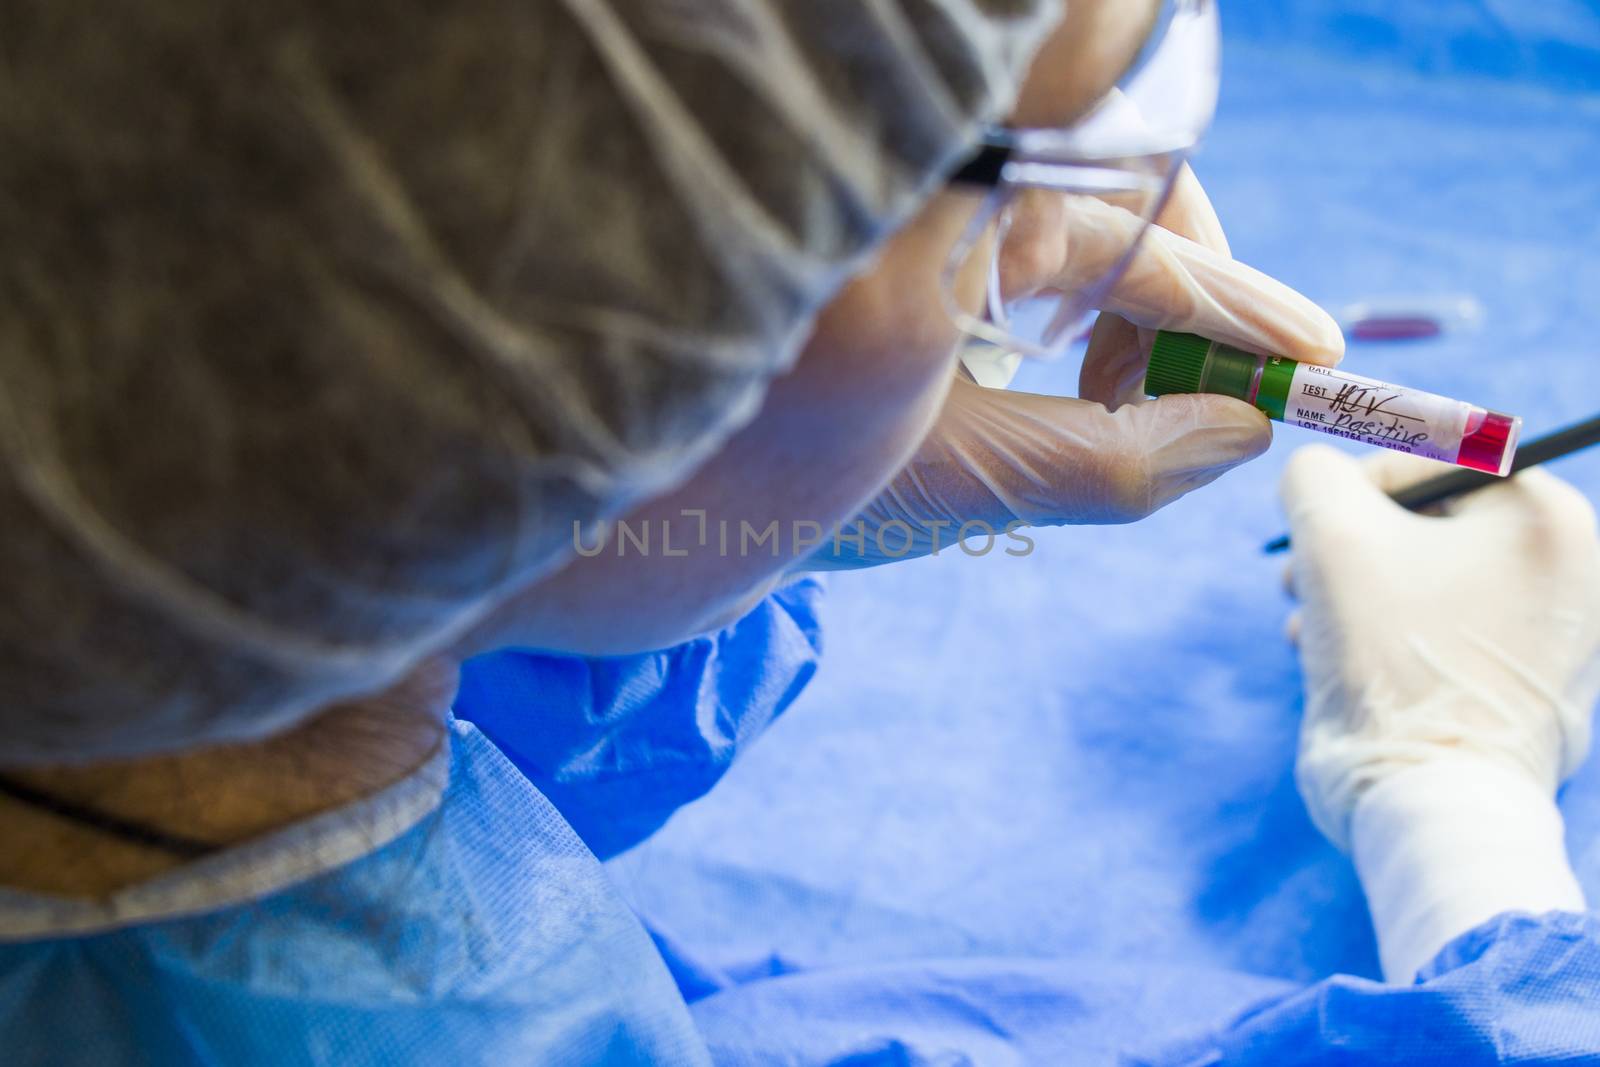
[[321, 323]]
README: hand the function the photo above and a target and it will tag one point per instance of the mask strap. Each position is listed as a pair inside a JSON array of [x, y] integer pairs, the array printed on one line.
[[127, 830]]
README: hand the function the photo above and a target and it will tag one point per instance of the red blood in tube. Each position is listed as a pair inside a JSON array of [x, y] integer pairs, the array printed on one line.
[[1484, 448], [1394, 328]]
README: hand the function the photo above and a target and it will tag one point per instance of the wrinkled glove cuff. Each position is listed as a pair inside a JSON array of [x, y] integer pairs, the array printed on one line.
[[1445, 845]]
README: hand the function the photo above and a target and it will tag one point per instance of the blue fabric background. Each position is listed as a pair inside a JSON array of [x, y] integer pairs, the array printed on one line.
[[618, 744]]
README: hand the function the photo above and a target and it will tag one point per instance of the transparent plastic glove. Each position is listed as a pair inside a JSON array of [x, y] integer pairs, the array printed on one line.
[[998, 459], [1452, 666]]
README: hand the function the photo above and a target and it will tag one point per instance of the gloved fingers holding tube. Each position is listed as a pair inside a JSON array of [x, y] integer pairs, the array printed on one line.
[[1452, 665], [1182, 277], [1113, 365], [1001, 458]]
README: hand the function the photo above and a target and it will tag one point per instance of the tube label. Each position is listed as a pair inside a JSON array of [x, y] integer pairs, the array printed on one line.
[[1363, 409]]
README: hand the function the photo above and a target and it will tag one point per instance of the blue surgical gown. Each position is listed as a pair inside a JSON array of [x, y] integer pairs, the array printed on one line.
[[490, 933]]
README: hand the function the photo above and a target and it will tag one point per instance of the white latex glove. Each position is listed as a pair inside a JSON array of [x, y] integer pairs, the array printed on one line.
[[1452, 666], [1004, 459]]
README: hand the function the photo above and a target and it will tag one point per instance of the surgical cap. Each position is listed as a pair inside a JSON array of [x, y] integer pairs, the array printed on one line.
[[321, 322]]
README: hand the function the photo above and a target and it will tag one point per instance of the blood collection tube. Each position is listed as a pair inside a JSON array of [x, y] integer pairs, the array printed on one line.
[[1405, 318], [1337, 402]]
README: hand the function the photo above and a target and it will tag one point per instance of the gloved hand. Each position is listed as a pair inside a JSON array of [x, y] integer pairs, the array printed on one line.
[[1001, 458], [1452, 666]]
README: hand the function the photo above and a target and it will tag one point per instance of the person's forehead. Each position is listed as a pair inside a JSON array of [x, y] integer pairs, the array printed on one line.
[[1096, 43]]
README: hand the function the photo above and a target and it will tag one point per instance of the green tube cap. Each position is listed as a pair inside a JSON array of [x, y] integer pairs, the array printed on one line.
[[1177, 363]]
